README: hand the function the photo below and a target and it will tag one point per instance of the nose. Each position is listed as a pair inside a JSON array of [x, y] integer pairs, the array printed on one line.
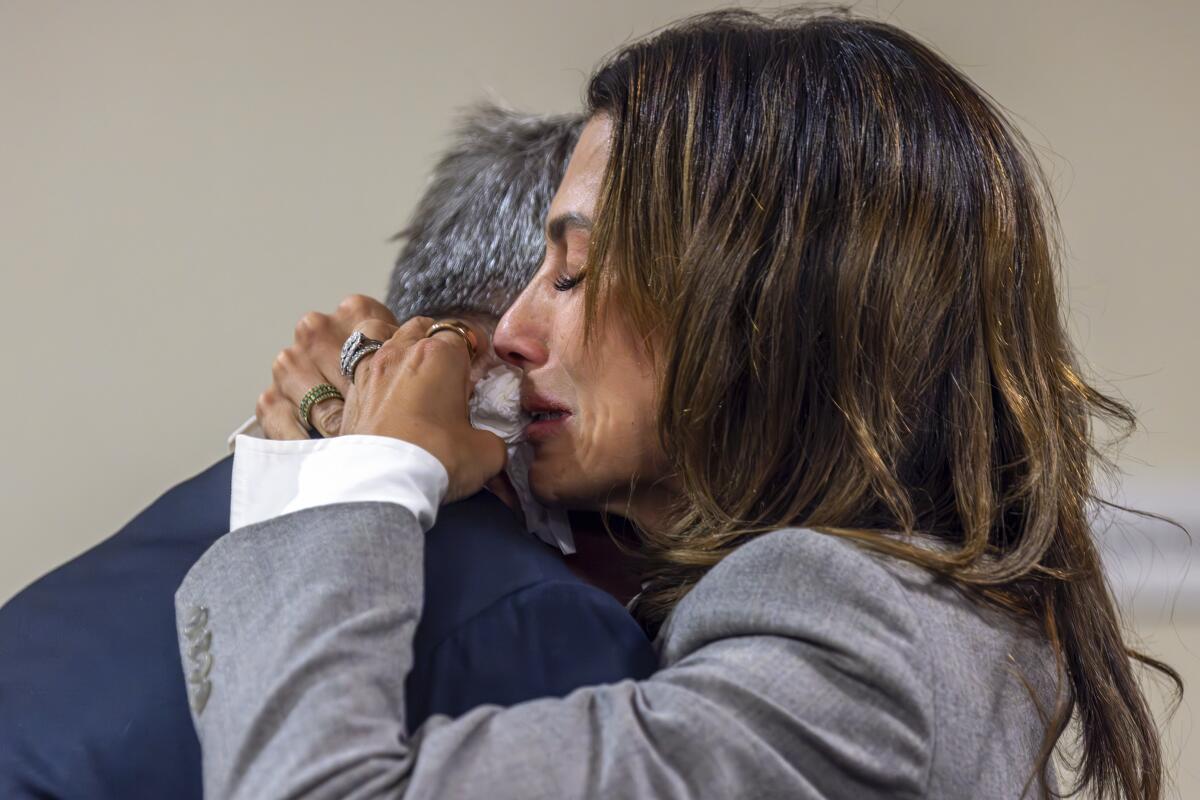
[[520, 337]]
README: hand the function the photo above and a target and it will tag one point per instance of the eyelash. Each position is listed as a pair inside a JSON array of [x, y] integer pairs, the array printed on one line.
[[565, 283]]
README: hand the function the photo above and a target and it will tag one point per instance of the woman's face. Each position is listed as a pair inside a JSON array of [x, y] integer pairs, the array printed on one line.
[[594, 434]]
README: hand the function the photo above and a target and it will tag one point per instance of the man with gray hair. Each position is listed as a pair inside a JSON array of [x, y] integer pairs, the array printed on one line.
[[90, 701], [476, 236], [473, 241]]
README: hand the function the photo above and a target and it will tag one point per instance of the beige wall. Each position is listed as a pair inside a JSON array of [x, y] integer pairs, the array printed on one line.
[[179, 182]]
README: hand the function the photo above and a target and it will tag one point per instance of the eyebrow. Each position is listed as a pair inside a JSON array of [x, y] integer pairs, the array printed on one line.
[[557, 227]]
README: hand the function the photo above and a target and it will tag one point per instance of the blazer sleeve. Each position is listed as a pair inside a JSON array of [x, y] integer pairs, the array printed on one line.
[[291, 630]]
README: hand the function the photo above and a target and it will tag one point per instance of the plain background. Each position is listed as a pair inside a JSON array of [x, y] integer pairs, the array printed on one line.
[[179, 183]]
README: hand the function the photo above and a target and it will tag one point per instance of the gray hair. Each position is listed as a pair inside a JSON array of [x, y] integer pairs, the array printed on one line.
[[476, 236]]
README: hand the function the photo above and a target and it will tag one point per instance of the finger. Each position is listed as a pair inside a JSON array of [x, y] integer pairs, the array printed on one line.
[[397, 345], [411, 332], [358, 307], [445, 342], [320, 337], [326, 357], [326, 416], [372, 329], [376, 329], [471, 348], [278, 417], [351, 315], [437, 362], [295, 375]]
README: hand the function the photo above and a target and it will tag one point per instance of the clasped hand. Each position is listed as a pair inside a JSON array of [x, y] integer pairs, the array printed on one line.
[[415, 388]]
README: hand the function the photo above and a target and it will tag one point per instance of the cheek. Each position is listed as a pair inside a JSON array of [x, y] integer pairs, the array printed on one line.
[[619, 436], [612, 388]]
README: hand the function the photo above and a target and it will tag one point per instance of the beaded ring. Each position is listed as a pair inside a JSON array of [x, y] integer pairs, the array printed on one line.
[[318, 394]]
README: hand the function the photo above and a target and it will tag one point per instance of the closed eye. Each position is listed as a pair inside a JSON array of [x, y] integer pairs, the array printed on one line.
[[565, 283]]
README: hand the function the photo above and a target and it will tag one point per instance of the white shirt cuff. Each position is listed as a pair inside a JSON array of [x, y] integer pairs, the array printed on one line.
[[274, 477], [248, 428]]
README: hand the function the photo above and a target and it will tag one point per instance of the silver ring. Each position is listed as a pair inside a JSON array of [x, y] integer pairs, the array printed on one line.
[[355, 347]]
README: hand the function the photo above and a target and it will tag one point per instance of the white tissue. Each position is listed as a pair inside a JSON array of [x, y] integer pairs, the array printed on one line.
[[496, 407], [496, 404]]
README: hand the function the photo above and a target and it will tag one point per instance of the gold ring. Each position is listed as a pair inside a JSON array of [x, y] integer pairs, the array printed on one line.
[[455, 326]]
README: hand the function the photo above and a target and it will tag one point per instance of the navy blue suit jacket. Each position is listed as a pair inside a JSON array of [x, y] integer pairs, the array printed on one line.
[[92, 699]]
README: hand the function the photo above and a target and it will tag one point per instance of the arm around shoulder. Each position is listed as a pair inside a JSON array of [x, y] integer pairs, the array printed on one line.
[[772, 685]]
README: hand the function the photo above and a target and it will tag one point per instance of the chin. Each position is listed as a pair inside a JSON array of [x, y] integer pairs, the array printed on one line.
[[551, 484], [545, 485]]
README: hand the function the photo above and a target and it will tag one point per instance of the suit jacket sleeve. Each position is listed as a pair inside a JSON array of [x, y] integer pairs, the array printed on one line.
[[291, 630]]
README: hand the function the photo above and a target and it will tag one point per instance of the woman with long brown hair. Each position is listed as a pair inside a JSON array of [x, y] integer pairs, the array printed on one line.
[[798, 322]]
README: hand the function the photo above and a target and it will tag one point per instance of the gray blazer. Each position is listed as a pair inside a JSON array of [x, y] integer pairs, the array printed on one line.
[[800, 667]]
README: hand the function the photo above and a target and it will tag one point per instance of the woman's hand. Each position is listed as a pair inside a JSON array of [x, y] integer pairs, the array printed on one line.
[[314, 358], [416, 388]]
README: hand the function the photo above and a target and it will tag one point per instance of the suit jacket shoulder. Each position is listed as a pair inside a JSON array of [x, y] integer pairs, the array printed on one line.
[[506, 621], [90, 700], [543, 640]]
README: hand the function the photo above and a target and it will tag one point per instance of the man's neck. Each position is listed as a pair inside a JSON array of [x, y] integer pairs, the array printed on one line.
[[597, 560]]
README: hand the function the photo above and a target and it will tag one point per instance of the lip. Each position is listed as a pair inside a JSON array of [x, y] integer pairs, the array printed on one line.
[[543, 429], [539, 430]]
